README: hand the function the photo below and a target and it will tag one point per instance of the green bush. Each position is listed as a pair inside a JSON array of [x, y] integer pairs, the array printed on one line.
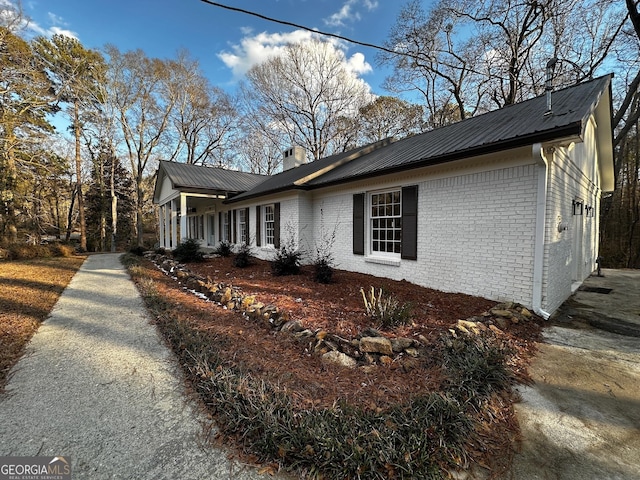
[[23, 251], [223, 249], [242, 257], [137, 250], [322, 271], [286, 261], [61, 250], [188, 251]]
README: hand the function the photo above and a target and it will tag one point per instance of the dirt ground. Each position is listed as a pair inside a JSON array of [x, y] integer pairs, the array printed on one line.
[[581, 418]]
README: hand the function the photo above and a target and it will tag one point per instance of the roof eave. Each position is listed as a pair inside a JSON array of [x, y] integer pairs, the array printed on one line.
[[568, 131]]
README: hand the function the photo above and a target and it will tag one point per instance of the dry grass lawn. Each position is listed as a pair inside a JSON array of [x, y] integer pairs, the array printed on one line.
[[28, 291]]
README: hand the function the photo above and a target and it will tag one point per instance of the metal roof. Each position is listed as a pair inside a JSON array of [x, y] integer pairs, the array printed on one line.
[[510, 127], [195, 178]]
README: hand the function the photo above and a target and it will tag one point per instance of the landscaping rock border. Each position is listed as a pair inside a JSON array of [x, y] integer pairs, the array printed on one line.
[[371, 347]]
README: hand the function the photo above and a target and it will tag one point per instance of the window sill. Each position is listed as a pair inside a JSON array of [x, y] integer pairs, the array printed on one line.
[[394, 262]]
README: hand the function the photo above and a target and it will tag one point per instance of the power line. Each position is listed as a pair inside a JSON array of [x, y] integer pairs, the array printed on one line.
[[308, 29], [339, 37]]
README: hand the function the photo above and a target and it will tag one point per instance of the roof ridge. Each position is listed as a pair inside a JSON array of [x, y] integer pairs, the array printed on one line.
[[343, 160]]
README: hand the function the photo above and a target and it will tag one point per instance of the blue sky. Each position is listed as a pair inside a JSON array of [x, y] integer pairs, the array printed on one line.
[[226, 43]]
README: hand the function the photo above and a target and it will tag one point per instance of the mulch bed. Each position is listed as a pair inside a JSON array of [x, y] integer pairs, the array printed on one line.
[[337, 308]]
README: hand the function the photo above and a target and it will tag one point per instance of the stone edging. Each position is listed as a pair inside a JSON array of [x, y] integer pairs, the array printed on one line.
[[367, 350]]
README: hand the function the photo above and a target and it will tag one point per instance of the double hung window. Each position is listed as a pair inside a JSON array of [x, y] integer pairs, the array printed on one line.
[[386, 223]]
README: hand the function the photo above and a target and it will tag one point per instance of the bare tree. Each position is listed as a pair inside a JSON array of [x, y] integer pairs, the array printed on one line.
[[304, 92], [434, 60], [143, 108], [203, 117]]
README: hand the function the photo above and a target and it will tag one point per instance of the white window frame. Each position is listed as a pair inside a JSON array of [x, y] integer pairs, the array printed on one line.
[[226, 226], [269, 224], [195, 227], [242, 226], [384, 223]]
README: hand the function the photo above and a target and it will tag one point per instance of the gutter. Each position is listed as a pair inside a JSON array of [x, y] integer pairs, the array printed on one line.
[[541, 218]]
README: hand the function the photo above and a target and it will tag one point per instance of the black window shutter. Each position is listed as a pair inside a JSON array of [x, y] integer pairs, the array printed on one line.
[[220, 230], [276, 225], [258, 227], [358, 224], [409, 223], [246, 226], [235, 226]]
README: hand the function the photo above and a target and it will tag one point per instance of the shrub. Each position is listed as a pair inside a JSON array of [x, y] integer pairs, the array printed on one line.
[[323, 261], [22, 251], [160, 251], [223, 249], [386, 309], [188, 251], [137, 250], [323, 271], [287, 260], [242, 258], [61, 250]]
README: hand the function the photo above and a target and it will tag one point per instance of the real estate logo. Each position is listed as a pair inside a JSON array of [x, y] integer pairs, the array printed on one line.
[[35, 468]]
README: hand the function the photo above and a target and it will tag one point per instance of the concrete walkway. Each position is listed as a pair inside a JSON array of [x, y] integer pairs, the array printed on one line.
[[98, 386], [581, 418]]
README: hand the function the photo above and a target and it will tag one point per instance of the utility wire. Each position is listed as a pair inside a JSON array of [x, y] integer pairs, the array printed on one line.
[[416, 57], [302, 27]]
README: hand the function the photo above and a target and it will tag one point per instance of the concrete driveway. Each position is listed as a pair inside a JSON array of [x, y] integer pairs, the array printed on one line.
[[98, 386], [581, 418]]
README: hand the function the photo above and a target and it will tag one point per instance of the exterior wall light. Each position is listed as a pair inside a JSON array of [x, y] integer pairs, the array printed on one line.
[[578, 206]]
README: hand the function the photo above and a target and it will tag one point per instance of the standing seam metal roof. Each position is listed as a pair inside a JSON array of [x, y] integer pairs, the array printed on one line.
[[509, 127], [196, 177]]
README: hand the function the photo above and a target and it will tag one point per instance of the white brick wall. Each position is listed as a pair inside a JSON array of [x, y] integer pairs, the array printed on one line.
[[570, 255], [476, 225], [475, 233]]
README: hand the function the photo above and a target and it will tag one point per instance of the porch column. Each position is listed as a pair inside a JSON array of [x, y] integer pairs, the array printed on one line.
[[161, 219], [184, 232], [174, 225], [167, 224]]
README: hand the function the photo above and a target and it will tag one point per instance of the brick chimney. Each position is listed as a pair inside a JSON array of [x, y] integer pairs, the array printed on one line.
[[293, 157]]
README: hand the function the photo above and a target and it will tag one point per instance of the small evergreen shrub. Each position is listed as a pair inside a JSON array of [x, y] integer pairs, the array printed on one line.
[[384, 308], [287, 260], [188, 251], [223, 249], [61, 250], [323, 271], [242, 258]]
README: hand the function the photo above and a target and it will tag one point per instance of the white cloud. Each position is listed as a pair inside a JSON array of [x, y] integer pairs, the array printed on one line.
[[358, 65], [255, 49], [9, 14], [349, 13]]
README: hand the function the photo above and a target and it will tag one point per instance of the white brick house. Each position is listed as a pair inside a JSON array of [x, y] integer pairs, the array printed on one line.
[[504, 205]]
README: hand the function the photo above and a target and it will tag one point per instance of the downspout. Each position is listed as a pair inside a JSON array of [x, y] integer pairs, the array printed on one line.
[[541, 217]]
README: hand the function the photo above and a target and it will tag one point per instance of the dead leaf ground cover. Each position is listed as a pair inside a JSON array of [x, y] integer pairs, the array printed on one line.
[[290, 367], [28, 291]]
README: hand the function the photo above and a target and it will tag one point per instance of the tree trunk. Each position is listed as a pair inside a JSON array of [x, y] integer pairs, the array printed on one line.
[[74, 192], [81, 219], [114, 207]]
